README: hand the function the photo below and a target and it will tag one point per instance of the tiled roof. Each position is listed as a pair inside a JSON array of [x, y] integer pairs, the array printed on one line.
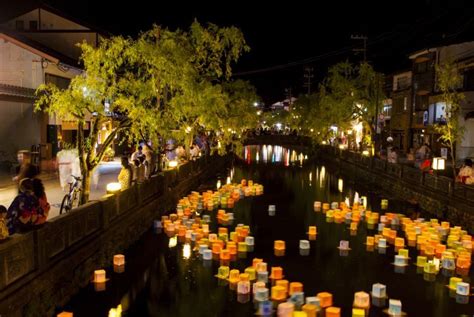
[[16, 91]]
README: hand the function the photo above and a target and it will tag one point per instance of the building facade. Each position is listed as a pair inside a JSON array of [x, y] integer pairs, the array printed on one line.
[[428, 108], [39, 46]]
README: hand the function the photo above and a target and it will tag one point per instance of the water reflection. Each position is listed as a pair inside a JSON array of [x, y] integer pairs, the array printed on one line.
[[273, 154]]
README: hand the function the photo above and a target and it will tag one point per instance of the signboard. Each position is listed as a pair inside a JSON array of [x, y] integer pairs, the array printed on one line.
[[444, 153], [425, 118]]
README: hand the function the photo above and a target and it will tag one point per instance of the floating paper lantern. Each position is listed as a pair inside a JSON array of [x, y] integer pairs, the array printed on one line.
[[277, 273], [453, 281], [242, 247], [119, 259], [278, 293], [207, 255], [297, 298], [379, 290], [261, 266], [314, 300], [317, 206], [224, 255], [243, 287], [262, 276], [261, 294], [370, 241], [312, 230], [325, 299], [284, 284], [279, 247], [421, 260], [310, 310], [65, 314], [286, 309], [249, 241], [361, 300], [395, 307], [462, 289], [344, 245], [223, 272], [358, 312], [430, 268], [99, 276], [265, 308], [333, 312], [252, 273], [234, 276], [295, 287], [257, 285]]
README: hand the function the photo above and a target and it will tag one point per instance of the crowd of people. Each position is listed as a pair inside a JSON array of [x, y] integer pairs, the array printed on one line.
[[142, 163]]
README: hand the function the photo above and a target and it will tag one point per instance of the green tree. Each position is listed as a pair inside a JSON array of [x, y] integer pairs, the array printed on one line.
[[159, 86], [448, 81], [85, 101]]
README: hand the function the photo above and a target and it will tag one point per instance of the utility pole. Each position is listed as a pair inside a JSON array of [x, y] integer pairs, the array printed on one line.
[[289, 96], [308, 76], [364, 49]]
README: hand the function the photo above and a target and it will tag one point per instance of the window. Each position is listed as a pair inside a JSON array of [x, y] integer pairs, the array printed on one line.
[[421, 67], [469, 80], [403, 82], [34, 25], [20, 25], [421, 102], [60, 82]]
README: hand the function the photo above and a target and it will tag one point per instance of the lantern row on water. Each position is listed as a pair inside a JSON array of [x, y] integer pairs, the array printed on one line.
[[439, 246]]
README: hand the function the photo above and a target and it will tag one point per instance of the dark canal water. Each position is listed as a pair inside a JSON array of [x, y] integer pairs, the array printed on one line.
[[163, 281]]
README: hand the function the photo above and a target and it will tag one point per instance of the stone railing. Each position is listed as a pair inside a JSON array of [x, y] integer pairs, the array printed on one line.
[[59, 257], [437, 194], [405, 172]]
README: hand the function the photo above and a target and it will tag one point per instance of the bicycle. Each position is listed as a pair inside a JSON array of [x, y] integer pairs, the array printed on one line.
[[71, 199]]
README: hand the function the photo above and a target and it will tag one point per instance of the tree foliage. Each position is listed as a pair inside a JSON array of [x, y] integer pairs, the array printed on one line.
[[164, 84], [448, 81]]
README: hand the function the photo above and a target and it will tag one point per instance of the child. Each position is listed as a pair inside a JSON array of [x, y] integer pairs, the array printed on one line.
[[3, 223]]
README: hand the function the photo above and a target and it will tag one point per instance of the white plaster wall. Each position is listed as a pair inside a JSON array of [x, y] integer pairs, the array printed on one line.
[[19, 67]]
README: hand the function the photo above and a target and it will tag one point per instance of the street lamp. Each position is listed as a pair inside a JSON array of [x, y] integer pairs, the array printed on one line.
[[113, 188]]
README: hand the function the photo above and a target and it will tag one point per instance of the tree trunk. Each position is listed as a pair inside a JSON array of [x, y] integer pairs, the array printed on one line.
[[86, 186], [84, 196], [453, 161]]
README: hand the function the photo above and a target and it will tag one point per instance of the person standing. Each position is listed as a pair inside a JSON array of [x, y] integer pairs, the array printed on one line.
[[125, 175], [466, 173]]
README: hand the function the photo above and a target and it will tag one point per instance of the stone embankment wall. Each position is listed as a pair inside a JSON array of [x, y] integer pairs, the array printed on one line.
[[438, 195]]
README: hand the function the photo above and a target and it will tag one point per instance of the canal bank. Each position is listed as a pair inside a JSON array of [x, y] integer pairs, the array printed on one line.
[[45, 267], [175, 279], [437, 195]]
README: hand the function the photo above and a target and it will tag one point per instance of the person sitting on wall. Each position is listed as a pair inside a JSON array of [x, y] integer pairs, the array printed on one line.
[[466, 173], [25, 211], [393, 155]]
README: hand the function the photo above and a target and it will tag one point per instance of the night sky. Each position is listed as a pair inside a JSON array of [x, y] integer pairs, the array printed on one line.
[[286, 37]]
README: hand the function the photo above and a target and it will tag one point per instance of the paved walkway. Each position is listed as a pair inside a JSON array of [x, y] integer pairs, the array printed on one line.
[[108, 172]]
